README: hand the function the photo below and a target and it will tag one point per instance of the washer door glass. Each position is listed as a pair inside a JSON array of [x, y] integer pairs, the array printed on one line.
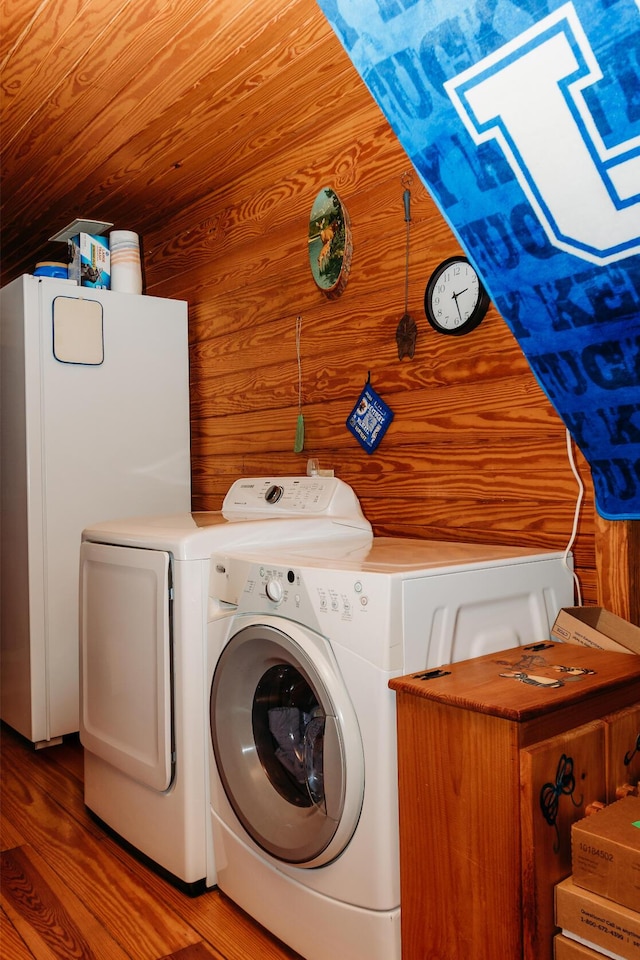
[[287, 745]]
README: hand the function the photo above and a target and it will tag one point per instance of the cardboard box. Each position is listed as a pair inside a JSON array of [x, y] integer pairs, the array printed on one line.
[[566, 949], [598, 923], [90, 261], [596, 627], [605, 852]]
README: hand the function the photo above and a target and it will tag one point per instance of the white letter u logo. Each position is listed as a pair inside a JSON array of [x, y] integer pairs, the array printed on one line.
[[528, 96]]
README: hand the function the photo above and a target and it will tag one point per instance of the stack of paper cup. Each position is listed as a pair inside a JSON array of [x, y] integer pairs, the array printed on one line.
[[126, 270]]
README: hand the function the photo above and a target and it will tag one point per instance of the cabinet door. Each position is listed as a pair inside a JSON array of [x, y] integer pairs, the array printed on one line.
[[622, 751], [559, 778]]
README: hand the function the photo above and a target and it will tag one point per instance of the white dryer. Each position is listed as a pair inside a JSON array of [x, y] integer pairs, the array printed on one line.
[[144, 609], [304, 809]]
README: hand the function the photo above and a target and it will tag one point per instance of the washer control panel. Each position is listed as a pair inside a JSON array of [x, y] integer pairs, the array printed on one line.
[[352, 608], [267, 588]]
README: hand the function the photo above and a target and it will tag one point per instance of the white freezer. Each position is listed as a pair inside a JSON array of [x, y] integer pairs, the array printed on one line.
[[94, 426]]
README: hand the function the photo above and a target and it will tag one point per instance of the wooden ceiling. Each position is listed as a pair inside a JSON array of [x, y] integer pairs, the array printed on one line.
[[130, 111]]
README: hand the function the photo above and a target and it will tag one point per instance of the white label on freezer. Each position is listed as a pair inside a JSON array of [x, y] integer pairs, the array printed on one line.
[[77, 330]]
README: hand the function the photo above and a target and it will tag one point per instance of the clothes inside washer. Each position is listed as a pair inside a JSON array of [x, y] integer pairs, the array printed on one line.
[[299, 736]]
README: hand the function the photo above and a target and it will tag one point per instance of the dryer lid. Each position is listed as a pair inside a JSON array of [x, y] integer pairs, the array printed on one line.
[[308, 508]]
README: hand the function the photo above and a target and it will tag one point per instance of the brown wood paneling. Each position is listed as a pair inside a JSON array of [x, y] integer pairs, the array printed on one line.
[[15, 17], [618, 566]]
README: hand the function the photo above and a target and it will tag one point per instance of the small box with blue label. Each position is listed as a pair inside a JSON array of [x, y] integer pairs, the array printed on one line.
[[90, 261]]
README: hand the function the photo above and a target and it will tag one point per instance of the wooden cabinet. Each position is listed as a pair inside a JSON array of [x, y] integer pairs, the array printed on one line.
[[497, 757]]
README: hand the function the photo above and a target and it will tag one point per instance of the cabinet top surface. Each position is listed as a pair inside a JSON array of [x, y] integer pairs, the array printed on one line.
[[524, 682]]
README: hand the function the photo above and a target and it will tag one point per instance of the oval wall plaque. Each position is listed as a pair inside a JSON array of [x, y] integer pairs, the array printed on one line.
[[330, 244]]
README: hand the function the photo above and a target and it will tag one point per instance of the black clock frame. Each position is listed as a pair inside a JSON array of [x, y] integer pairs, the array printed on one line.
[[479, 311]]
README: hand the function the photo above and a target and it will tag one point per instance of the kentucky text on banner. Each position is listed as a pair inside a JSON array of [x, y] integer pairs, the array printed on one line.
[[523, 120]]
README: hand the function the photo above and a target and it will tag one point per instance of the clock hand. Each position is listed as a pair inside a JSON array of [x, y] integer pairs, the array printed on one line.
[[454, 297]]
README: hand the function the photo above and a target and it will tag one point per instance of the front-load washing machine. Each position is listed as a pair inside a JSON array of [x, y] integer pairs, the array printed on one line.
[[145, 605], [304, 807]]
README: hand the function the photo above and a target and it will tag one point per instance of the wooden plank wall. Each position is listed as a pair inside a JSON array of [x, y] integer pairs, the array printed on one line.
[[475, 451]]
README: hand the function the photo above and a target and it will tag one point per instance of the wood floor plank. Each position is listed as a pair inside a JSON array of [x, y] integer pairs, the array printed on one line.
[[197, 951], [220, 921], [145, 928], [217, 920], [67, 868], [50, 918], [12, 946], [68, 755], [9, 836], [56, 772]]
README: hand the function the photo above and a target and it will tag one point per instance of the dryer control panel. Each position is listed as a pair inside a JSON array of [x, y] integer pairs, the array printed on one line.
[[293, 497]]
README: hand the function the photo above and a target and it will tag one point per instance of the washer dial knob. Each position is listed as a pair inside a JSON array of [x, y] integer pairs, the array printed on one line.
[[273, 589]]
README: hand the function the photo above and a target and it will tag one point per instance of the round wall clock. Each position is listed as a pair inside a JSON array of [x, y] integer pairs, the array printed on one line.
[[455, 300], [329, 243]]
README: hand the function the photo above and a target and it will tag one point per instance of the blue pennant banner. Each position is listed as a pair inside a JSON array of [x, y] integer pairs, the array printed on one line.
[[522, 119]]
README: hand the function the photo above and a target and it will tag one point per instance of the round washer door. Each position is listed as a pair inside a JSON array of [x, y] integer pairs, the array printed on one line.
[[287, 743]]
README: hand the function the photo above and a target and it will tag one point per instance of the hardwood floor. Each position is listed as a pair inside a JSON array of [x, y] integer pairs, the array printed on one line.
[[70, 891]]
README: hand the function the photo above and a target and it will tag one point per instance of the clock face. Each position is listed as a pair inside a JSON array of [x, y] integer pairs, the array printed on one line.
[[455, 301]]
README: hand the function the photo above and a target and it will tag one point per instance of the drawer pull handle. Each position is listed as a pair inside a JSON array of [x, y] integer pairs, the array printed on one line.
[[431, 674], [551, 794]]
